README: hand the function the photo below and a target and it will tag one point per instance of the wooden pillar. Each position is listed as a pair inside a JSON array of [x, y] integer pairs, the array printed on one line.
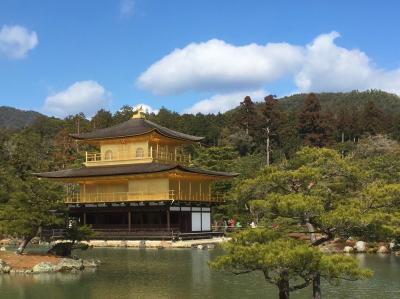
[[179, 189], [129, 220], [84, 218], [168, 220], [175, 159], [190, 190]]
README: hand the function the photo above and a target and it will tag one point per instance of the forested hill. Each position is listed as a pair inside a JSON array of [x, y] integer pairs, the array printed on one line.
[[388, 102], [12, 118]]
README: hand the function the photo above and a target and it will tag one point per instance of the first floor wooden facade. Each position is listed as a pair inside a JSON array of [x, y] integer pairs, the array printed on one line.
[[150, 220]]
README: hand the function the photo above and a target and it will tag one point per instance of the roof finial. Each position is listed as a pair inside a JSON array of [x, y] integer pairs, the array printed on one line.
[[139, 112]]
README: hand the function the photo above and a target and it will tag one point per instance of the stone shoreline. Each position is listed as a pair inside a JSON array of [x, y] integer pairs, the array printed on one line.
[[155, 244], [11, 263]]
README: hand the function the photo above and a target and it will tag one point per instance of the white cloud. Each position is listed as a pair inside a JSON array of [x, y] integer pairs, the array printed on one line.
[[16, 41], [328, 67], [224, 102], [227, 70], [218, 66], [146, 108], [126, 8], [82, 96]]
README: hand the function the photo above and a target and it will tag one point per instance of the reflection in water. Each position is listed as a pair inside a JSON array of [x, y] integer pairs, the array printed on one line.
[[133, 273]]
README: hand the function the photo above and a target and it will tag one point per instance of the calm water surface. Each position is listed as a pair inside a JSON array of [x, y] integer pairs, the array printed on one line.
[[135, 273]]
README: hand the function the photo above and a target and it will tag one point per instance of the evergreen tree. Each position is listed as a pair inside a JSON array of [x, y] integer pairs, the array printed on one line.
[[285, 262], [318, 192], [312, 125], [375, 120], [247, 116], [32, 205], [123, 114], [273, 117], [102, 119]]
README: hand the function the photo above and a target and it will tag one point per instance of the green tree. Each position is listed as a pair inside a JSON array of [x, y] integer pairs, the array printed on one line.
[[123, 114], [74, 234], [32, 205], [102, 119], [317, 192], [285, 262]]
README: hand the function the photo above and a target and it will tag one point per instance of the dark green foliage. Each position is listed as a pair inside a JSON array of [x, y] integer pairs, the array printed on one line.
[[102, 119], [285, 262], [74, 234], [31, 205]]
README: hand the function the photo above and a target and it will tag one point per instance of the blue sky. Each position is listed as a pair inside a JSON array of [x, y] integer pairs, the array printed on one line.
[[61, 57]]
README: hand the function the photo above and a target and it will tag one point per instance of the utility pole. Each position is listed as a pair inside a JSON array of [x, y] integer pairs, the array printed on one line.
[[342, 151], [267, 130]]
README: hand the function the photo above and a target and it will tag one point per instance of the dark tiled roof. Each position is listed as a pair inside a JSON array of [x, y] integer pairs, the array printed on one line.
[[134, 127], [127, 170]]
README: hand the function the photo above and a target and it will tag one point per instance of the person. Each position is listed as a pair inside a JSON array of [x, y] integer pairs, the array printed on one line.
[[253, 225], [238, 225], [225, 225], [232, 222]]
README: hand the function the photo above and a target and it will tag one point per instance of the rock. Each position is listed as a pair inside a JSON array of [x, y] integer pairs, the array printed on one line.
[[4, 268], [35, 240], [2, 249], [43, 268], [6, 242], [348, 249], [200, 246], [382, 249], [361, 246], [397, 253], [67, 264], [210, 246], [91, 263]]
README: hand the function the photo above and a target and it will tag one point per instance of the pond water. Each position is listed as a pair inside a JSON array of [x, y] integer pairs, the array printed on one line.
[[173, 273]]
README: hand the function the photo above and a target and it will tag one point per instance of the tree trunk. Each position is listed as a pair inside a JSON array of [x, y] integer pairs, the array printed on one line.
[[316, 286], [283, 285], [23, 244], [311, 231]]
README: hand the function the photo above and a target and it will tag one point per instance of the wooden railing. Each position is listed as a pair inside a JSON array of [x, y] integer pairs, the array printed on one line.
[[152, 154], [139, 197]]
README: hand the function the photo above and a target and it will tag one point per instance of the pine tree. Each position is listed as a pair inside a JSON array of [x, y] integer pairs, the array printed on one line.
[[319, 192]]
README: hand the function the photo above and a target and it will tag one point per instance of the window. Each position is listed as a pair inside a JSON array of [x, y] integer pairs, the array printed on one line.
[[139, 152], [108, 155]]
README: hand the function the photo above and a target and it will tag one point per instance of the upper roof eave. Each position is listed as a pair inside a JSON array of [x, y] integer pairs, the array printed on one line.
[[133, 128], [123, 170]]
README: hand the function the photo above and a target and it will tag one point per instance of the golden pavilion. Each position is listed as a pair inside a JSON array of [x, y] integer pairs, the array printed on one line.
[[140, 183]]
